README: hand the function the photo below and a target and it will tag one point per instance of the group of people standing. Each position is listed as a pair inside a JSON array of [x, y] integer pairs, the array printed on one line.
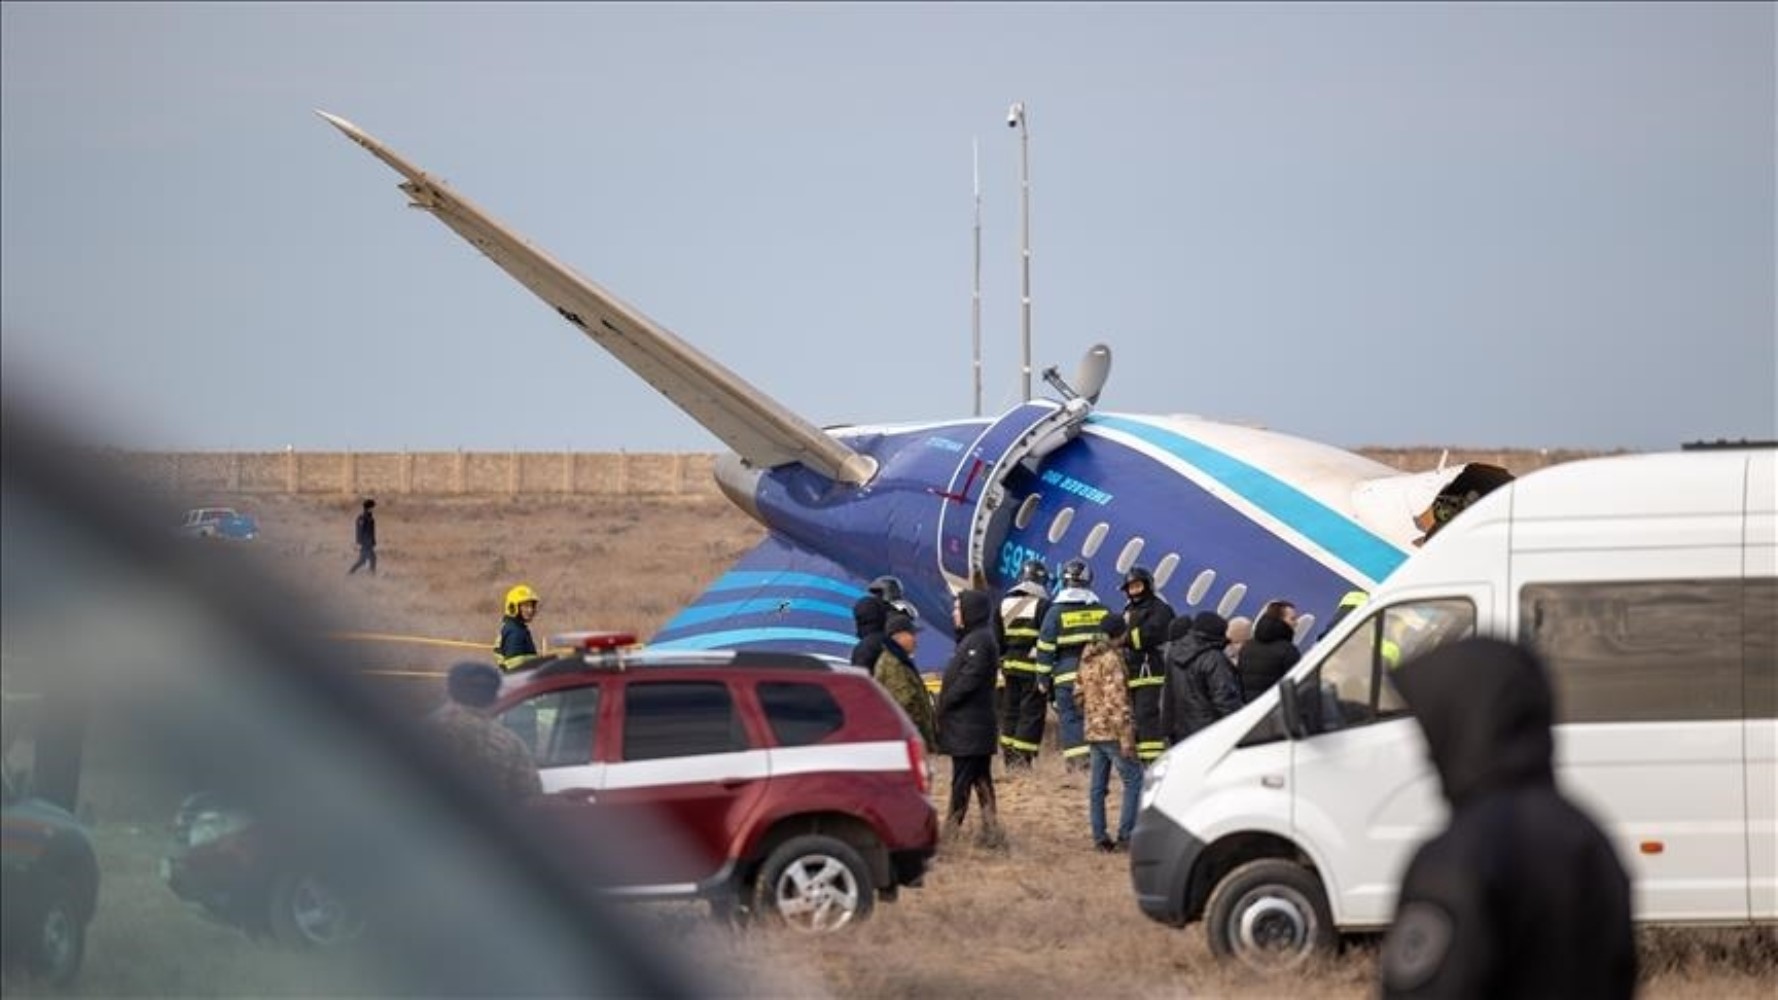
[[1124, 686]]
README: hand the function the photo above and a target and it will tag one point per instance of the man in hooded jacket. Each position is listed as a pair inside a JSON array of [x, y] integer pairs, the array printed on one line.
[[1521, 895], [966, 724], [870, 616], [1201, 683]]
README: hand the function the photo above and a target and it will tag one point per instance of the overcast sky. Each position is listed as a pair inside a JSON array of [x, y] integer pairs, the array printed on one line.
[[1521, 225]]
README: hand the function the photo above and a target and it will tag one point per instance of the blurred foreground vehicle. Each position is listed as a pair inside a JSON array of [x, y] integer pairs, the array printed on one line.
[[790, 788], [219, 522], [150, 669], [52, 886]]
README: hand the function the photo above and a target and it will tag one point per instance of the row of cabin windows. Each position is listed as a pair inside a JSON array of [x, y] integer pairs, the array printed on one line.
[[1132, 550]]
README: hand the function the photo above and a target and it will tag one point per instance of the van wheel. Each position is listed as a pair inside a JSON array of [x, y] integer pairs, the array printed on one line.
[[814, 884], [1271, 915], [57, 939]]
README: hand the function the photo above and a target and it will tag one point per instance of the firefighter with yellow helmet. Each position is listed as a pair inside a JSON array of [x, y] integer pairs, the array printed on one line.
[[516, 646]]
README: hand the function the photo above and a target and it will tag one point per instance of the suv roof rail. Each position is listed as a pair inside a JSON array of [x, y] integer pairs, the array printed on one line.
[[618, 659]]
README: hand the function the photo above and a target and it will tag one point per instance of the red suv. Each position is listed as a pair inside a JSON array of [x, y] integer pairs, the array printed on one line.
[[772, 784]]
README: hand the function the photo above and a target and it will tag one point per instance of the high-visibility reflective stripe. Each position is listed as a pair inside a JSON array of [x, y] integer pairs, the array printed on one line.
[[1021, 667], [1080, 751], [1045, 646], [1088, 616], [1155, 745], [514, 662], [1142, 682], [1078, 639], [1020, 633], [1016, 744], [1067, 678]]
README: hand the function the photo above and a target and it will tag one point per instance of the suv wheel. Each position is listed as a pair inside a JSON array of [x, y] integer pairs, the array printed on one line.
[[57, 935], [815, 884], [307, 912], [1270, 914]]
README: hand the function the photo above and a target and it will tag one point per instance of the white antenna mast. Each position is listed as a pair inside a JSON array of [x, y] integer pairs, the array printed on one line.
[[975, 308]]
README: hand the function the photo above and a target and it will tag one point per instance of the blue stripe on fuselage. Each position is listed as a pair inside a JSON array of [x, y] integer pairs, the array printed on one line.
[[1314, 520], [826, 640]]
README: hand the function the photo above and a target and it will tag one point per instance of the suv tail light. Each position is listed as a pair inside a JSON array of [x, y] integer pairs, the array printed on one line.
[[917, 764]]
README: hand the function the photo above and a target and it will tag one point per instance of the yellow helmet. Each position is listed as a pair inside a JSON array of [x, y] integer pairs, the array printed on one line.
[[517, 596]]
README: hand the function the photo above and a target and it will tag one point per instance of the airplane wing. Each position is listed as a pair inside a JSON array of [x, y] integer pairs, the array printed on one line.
[[758, 427]]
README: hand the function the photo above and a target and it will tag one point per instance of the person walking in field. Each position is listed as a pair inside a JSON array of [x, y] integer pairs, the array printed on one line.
[[1104, 700], [367, 540]]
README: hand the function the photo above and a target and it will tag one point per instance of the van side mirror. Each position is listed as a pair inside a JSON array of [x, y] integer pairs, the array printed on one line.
[[1290, 711]]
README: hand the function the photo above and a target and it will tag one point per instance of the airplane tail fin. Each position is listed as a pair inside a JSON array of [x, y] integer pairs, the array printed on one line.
[[759, 428]]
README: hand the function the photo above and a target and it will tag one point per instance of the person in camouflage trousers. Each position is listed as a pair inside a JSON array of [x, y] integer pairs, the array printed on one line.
[[483, 750], [1104, 701]]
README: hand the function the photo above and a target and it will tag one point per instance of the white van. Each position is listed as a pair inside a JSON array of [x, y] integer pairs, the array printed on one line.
[[1649, 585]]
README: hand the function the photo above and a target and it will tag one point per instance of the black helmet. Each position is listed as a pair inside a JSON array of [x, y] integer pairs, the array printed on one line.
[[887, 587], [1034, 571], [1139, 574], [1076, 573]]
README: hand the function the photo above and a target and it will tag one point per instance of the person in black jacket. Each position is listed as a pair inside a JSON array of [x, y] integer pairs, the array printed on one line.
[[966, 725], [1201, 684], [1521, 895], [1271, 652], [367, 540]]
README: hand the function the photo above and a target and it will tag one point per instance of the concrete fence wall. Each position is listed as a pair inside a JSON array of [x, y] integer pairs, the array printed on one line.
[[531, 473], [452, 472]]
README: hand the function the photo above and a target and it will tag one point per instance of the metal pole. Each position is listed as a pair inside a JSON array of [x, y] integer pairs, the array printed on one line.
[[975, 306], [1024, 246]]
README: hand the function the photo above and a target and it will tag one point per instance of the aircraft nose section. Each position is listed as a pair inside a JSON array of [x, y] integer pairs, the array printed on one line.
[[740, 483]]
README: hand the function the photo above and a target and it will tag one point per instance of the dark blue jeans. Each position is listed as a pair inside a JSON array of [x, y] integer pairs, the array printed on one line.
[[1105, 756]]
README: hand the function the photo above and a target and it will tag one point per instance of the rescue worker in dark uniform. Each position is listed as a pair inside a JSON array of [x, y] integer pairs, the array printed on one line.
[[1075, 618], [1147, 616], [516, 647], [1521, 895], [1022, 706]]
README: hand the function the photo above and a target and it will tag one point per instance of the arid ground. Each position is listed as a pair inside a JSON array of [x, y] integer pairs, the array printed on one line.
[[1049, 918]]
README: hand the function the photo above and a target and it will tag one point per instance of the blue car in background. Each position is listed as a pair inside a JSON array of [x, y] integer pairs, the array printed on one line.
[[220, 522]]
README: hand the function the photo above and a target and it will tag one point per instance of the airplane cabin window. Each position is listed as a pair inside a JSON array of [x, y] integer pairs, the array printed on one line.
[[1027, 512], [1095, 538], [1163, 570], [1059, 526], [1127, 558], [1231, 600], [1200, 586]]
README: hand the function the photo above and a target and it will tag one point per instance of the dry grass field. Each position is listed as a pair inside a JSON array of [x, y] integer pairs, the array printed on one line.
[[1049, 918]]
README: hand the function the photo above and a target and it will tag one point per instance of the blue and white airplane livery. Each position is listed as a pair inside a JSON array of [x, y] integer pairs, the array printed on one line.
[[1226, 516]]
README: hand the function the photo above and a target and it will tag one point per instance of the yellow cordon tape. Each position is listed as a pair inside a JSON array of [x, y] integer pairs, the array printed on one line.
[[419, 640]]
